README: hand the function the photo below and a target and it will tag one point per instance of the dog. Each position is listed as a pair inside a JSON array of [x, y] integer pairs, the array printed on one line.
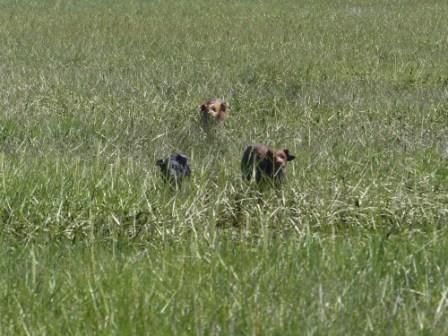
[[174, 168], [213, 110], [267, 163]]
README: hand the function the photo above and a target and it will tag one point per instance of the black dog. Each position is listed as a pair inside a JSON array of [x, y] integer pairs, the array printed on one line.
[[174, 168]]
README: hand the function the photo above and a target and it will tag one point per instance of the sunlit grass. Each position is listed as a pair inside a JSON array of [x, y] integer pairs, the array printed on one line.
[[93, 92]]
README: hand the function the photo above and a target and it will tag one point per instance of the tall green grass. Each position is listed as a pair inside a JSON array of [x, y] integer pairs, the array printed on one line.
[[333, 285], [93, 92]]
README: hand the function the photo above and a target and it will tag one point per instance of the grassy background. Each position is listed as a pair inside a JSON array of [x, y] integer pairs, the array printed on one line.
[[93, 92]]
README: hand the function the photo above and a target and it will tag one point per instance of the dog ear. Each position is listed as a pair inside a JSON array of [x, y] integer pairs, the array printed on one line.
[[289, 157]]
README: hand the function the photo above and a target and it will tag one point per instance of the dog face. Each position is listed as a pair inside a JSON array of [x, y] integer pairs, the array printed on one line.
[[174, 168], [214, 109], [280, 158], [265, 161]]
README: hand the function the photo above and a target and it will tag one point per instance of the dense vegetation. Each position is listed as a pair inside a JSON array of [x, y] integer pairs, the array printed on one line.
[[93, 92]]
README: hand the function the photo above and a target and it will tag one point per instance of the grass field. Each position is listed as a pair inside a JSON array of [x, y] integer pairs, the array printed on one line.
[[93, 92]]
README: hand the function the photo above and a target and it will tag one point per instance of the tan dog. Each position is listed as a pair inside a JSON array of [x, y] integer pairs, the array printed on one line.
[[265, 162], [213, 109]]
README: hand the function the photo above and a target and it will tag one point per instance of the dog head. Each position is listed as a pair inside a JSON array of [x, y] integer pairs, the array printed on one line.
[[214, 109], [279, 158], [174, 168]]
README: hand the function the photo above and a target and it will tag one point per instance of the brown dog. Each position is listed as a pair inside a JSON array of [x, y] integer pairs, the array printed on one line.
[[265, 162], [213, 109]]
